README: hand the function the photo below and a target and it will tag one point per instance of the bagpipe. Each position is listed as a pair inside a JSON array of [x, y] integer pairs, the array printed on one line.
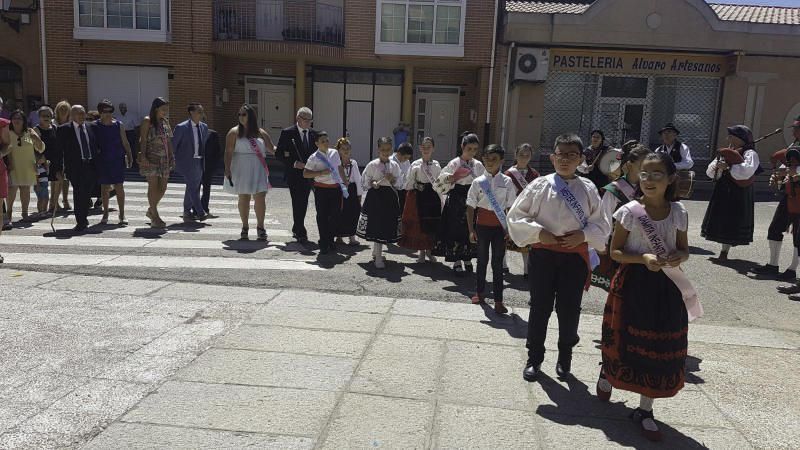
[[733, 156]]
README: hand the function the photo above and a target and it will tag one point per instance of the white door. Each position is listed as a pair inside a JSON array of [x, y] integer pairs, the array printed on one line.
[[437, 116], [442, 122], [357, 128], [275, 109], [134, 85], [329, 108], [269, 19]]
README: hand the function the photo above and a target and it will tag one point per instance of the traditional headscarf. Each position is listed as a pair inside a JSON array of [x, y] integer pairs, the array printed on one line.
[[742, 132]]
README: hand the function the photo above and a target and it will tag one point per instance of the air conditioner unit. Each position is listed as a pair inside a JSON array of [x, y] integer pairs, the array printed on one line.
[[531, 64]]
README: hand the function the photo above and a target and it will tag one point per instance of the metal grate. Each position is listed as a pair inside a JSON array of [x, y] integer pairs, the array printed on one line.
[[574, 102]]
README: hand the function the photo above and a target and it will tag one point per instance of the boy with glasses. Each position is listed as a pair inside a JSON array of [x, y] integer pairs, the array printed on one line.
[[561, 217]]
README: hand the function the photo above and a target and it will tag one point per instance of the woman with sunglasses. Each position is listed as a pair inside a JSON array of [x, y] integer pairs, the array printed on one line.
[[156, 159], [53, 153], [115, 156], [25, 143]]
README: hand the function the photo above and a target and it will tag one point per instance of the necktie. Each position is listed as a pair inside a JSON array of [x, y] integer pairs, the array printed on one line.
[[305, 141], [86, 154], [197, 150]]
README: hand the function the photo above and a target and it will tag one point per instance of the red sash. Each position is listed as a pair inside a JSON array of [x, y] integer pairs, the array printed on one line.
[[582, 250], [487, 218], [326, 185]]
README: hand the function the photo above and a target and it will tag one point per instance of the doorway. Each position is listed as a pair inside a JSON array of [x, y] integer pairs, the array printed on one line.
[[273, 100], [622, 108], [436, 116], [11, 85]]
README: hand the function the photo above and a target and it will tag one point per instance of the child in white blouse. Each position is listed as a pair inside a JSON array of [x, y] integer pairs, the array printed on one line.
[[561, 217], [325, 167], [351, 206], [379, 221], [422, 212], [490, 196]]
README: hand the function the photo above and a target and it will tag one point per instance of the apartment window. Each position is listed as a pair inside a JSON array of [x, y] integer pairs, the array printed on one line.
[[435, 27], [137, 20]]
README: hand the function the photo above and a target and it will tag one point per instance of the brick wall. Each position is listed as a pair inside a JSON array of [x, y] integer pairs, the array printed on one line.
[[23, 50]]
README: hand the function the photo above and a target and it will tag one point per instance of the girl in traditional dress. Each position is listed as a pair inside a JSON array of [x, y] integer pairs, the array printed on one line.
[[729, 217], [645, 324], [351, 207], [423, 208], [521, 174], [614, 195], [454, 241], [379, 221]]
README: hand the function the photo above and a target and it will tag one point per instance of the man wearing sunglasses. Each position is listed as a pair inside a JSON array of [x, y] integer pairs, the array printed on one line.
[[295, 145]]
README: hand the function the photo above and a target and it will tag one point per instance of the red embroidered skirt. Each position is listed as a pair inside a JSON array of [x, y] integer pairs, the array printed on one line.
[[644, 336]]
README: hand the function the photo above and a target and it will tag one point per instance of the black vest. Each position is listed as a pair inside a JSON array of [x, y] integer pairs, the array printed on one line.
[[675, 154]]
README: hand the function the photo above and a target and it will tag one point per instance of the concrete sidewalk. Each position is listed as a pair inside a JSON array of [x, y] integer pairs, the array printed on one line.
[[309, 369]]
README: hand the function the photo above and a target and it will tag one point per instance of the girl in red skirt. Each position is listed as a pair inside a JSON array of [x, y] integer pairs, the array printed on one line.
[[521, 174], [423, 207], [645, 323]]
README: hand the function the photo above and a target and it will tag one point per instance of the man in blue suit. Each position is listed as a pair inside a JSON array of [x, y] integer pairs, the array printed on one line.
[[189, 141]]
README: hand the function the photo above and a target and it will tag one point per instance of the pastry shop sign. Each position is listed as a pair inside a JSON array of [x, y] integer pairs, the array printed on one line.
[[640, 63]]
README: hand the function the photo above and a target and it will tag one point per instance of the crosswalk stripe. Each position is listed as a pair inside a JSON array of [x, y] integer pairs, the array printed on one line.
[[166, 262], [146, 243], [143, 228]]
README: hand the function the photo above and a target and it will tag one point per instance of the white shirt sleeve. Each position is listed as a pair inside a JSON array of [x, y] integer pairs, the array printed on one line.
[[686, 158], [746, 169], [355, 177], [511, 194], [711, 170], [522, 225], [473, 196], [599, 227], [609, 205], [411, 179], [399, 179]]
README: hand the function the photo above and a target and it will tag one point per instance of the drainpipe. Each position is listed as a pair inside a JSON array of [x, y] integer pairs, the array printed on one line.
[[505, 93], [491, 74], [43, 38]]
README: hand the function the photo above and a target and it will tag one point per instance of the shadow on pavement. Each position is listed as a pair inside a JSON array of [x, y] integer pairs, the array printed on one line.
[[575, 405]]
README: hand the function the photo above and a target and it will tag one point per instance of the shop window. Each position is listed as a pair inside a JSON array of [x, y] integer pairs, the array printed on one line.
[[624, 87], [420, 27], [135, 20]]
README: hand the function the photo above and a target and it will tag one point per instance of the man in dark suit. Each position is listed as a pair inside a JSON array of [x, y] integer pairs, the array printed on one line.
[[212, 161], [78, 141], [295, 145], [189, 142]]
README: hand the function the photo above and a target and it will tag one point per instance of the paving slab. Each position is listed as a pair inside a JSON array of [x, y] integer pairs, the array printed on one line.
[[143, 368], [338, 302], [270, 369], [477, 427], [300, 412], [158, 437], [212, 292], [441, 310], [13, 413], [105, 398], [486, 375], [400, 366], [24, 278], [749, 337], [186, 338], [489, 332], [42, 389], [82, 283], [366, 421], [296, 340], [317, 319], [20, 440]]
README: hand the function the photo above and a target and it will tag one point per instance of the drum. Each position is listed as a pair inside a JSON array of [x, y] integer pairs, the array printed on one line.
[[685, 184], [610, 162]]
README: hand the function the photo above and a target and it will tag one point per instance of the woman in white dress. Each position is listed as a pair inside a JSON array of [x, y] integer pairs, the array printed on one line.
[[246, 171]]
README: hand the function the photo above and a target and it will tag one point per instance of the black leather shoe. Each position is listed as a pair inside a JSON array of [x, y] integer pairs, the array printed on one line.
[[563, 368], [789, 289], [531, 372], [787, 275], [80, 228], [766, 270]]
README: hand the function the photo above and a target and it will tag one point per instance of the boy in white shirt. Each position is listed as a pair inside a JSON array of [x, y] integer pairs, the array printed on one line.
[[491, 195], [561, 216], [325, 167]]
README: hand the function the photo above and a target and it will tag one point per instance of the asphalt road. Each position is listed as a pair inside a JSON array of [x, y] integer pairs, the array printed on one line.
[[211, 253]]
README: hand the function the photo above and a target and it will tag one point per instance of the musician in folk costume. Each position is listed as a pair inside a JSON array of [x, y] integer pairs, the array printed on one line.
[[677, 150], [457, 176], [729, 218], [560, 216], [489, 198], [330, 187], [379, 221], [614, 195], [592, 155], [351, 206], [423, 207], [781, 219], [791, 186], [521, 174], [645, 321]]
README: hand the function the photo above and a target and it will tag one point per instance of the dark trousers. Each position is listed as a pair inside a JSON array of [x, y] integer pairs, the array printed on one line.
[[494, 237], [329, 209], [208, 173], [401, 197], [192, 172], [132, 138], [299, 190], [83, 183], [556, 279], [780, 221]]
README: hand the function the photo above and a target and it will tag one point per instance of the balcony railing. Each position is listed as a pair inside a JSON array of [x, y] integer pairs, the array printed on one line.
[[318, 21]]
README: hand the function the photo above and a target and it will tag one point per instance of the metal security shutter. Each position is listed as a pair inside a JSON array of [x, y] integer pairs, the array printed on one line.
[[691, 104], [135, 85], [569, 105]]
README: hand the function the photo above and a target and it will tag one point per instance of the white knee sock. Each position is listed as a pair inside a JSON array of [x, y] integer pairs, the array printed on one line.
[[795, 259], [377, 250], [646, 403], [505, 261], [726, 247], [774, 252]]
